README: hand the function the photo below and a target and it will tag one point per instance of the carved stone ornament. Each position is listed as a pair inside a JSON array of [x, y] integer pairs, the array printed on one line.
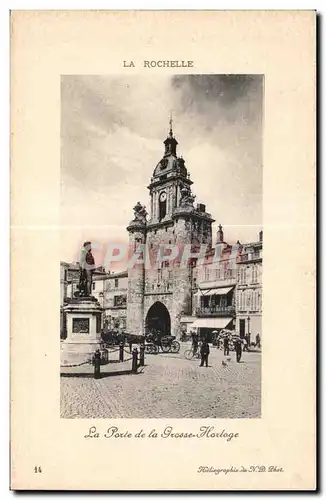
[[187, 198], [140, 212]]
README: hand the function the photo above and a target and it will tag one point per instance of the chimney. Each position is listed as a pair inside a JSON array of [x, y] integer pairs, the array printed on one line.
[[201, 207], [260, 235], [220, 235]]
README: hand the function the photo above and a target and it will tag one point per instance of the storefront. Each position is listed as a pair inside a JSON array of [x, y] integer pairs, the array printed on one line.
[[206, 326]]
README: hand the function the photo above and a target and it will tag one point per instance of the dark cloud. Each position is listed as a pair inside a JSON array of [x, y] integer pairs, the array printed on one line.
[[232, 94], [213, 87]]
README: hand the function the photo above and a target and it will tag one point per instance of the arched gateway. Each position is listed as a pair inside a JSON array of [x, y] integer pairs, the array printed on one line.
[[158, 319]]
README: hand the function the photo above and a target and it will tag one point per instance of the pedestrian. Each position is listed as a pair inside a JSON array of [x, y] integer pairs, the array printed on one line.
[[226, 346], [238, 349], [204, 353], [258, 340]]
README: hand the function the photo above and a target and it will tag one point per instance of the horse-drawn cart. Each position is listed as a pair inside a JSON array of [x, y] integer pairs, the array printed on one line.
[[165, 343]]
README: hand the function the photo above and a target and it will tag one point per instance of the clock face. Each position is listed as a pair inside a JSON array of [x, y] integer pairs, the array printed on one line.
[[163, 196]]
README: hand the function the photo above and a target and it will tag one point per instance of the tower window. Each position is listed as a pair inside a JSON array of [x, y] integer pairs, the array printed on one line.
[[162, 206]]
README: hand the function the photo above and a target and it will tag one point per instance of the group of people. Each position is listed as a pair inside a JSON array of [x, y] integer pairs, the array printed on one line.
[[237, 348], [204, 350]]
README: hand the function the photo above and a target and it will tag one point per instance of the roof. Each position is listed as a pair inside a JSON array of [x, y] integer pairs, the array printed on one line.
[[121, 274]]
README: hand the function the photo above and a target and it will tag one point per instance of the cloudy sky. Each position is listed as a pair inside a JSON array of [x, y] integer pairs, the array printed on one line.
[[112, 129]]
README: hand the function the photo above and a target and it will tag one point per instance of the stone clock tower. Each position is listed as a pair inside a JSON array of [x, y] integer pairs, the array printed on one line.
[[158, 295]]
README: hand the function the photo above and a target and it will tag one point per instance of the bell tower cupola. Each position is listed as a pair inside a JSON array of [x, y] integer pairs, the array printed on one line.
[[169, 178]]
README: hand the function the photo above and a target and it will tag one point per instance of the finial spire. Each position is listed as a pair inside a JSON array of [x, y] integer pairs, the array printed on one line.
[[171, 121]]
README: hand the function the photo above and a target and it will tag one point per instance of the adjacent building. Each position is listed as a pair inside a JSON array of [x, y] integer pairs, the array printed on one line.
[[214, 297], [115, 301], [249, 290]]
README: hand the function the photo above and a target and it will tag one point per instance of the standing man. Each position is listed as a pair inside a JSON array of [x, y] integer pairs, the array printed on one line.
[[204, 353], [226, 346], [258, 340], [238, 349]]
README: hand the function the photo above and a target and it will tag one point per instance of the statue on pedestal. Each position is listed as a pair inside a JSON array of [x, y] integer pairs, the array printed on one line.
[[87, 265]]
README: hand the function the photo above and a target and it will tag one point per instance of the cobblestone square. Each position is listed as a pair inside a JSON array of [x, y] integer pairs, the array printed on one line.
[[169, 386]]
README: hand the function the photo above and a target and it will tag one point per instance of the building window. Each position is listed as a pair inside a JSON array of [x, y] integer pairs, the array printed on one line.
[[206, 274], [93, 285], [242, 306], [243, 276], [116, 283], [255, 274], [249, 300]]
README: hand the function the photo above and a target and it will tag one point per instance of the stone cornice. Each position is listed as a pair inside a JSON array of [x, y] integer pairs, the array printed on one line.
[[172, 179]]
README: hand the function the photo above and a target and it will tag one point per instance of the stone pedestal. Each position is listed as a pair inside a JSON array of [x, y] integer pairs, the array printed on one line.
[[83, 320]]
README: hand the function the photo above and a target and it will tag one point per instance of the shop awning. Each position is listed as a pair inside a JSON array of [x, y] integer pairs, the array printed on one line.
[[214, 291], [187, 319], [211, 322]]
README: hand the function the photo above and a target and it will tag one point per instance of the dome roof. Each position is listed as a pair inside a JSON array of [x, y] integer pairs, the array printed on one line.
[[169, 164]]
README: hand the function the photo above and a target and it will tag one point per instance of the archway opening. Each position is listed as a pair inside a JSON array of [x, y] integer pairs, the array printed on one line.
[[158, 319]]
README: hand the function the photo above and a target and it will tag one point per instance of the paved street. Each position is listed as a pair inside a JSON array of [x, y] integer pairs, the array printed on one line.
[[169, 386]]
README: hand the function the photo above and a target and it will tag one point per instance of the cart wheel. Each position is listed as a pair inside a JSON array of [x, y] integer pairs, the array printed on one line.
[[175, 346], [189, 354], [154, 349]]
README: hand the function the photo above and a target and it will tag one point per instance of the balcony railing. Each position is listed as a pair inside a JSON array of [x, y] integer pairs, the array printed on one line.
[[215, 311], [253, 256]]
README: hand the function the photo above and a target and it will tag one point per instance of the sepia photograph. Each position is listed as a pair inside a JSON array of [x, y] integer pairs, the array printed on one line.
[[161, 271]]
